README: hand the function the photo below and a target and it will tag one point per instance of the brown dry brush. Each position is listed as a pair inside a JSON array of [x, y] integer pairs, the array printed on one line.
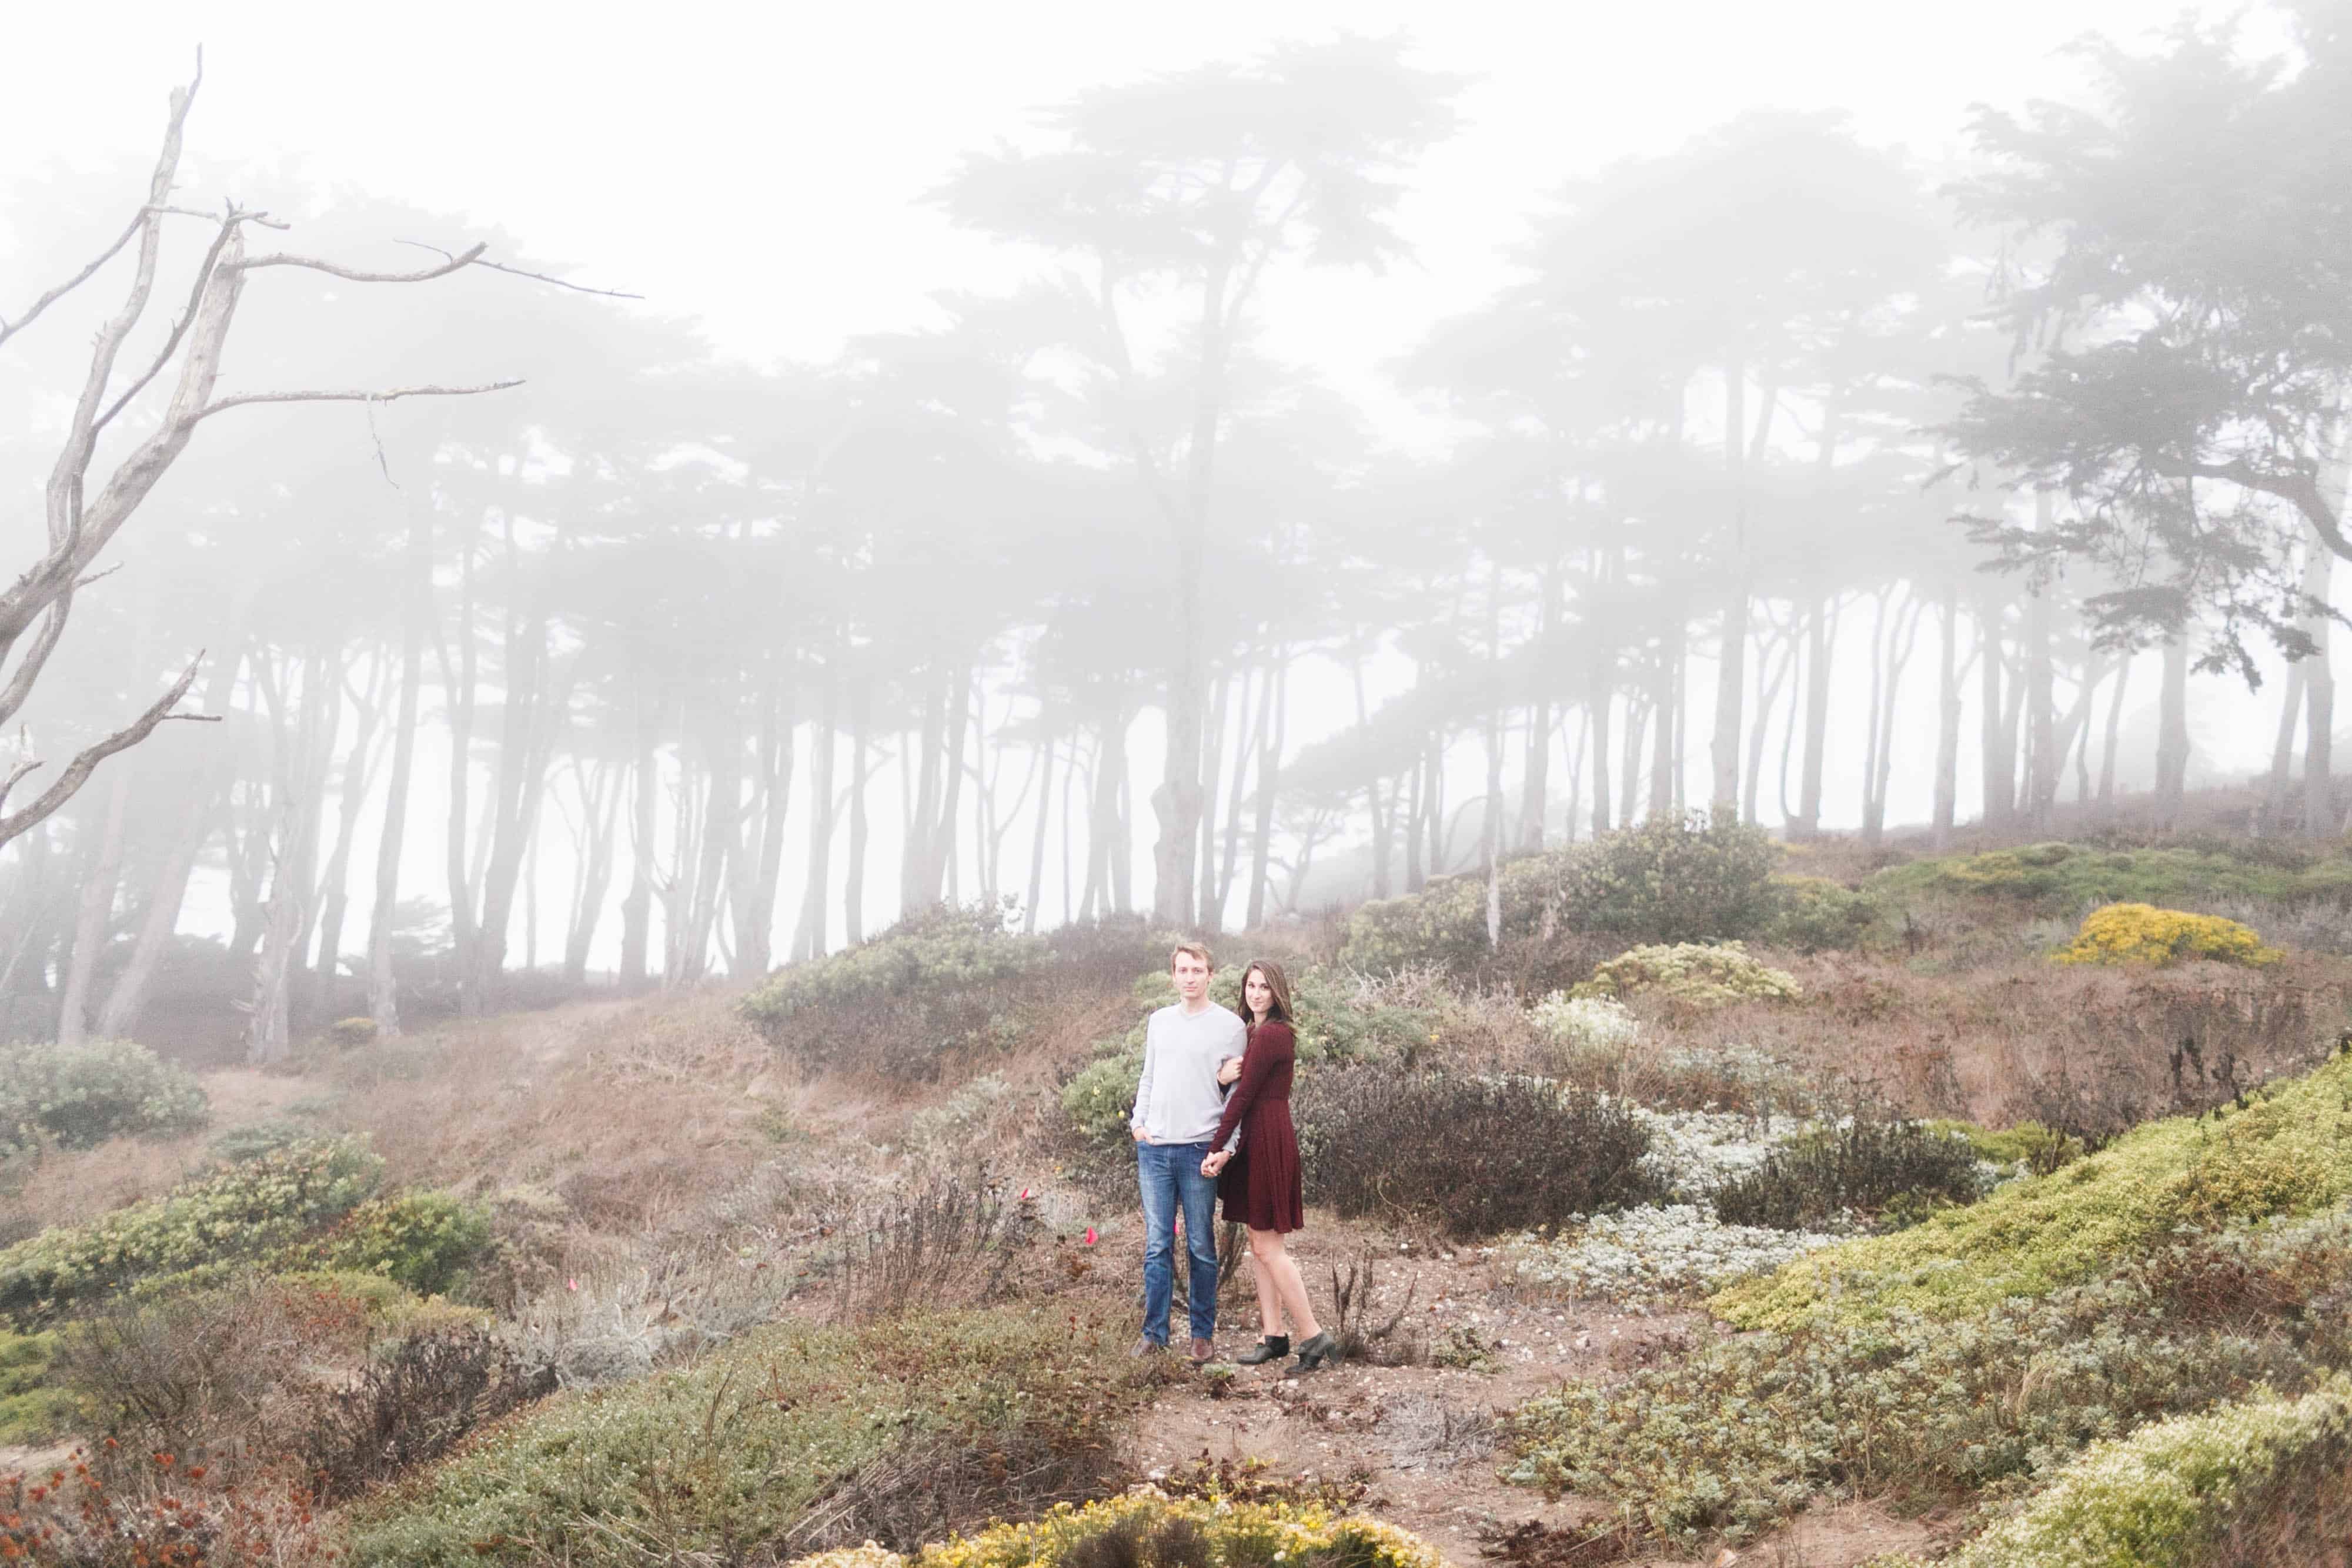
[[413, 1406], [957, 1238], [1361, 1333]]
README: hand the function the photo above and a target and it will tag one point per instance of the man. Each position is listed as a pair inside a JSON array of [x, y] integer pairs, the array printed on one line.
[[1176, 1104]]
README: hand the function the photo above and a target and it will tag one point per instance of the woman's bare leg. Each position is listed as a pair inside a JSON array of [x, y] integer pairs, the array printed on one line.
[[1276, 1268], [1269, 1294]]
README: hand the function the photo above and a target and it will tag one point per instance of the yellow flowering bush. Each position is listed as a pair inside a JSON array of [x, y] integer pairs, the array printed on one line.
[[2143, 934], [1691, 975], [1233, 1534]]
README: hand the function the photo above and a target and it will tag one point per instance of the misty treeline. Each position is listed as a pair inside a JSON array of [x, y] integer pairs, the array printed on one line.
[[661, 665]]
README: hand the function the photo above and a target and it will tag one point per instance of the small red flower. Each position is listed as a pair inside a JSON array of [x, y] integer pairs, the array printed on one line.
[[1090, 1236]]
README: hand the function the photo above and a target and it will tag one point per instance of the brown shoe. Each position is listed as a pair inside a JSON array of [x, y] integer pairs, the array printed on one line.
[[1202, 1351]]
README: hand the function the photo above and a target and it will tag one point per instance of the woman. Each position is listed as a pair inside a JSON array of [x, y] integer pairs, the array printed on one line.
[[1259, 1182]]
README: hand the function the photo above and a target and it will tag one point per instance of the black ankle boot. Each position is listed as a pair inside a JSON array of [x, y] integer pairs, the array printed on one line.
[[1318, 1351], [1273, 1347]]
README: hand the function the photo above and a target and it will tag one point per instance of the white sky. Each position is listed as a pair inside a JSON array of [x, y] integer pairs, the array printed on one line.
[[761, 167]]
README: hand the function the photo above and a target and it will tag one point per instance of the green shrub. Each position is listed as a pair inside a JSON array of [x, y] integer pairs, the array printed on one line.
[[1475, 1155], [1101, 1096], [1446, 924], [1691, 975], [1670, 880], [423, 1241], [2189, 1492], [2143, 934], [1171, 1532], [78, 1096], [352, 1032], [1865, 1164], [32, 1408], [2060, 878], [1815, 914], [2290, 1150], [940, 980], [898, 1432], [251, 1140], [262, 1210], [2038, 1149]]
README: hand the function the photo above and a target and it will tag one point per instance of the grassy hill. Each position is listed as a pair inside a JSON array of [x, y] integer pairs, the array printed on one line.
[[1882, 1233]]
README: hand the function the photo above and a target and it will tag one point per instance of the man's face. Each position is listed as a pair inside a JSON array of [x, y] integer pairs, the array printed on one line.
[[1191, 977]]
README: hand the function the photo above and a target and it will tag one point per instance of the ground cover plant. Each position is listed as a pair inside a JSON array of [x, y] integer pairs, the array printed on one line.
[[794, 1439], [2288, 1151], [2262, 1480]]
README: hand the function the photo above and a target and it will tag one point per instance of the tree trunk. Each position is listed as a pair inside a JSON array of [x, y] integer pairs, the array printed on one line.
[[1269, 780], [1596, 705], [810, 940], [1664, 750], [1999, 752], [1047, 746], [383, 1005], [2275, 814], [94, 919], [459, 684], [2115, 728], [1947, 718], [358, 773], [599, 809], [2172, 732], [2320, 686], [861, 725], [301, 756], [636, 908], [1820, 641], [1731, 660]]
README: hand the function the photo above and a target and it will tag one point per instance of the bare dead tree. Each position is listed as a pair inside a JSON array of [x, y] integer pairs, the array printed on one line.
[[84, 512]]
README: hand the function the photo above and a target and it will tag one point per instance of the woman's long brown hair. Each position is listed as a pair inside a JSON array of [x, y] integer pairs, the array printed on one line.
[[1276, 981]]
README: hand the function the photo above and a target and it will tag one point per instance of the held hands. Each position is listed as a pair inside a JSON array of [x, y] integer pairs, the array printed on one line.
[[1216, 1162], [1229, 1070]]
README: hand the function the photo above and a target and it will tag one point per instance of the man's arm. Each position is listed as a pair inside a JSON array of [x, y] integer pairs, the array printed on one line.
[[1143, 1084]]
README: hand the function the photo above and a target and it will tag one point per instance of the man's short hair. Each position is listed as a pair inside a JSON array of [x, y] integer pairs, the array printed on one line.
[[1198, 949]]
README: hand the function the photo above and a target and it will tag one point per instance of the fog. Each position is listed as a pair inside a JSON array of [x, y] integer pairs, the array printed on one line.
[[1202, 467]]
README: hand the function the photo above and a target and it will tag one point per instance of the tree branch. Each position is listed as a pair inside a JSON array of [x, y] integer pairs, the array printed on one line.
[[86, 761], [360, 397], [453, 263], [10, 329]]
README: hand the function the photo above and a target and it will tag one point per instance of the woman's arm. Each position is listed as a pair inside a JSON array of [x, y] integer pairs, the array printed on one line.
[[1268, 1049]]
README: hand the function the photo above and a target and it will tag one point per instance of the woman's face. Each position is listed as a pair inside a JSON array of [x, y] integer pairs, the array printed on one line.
[[1256, 994]]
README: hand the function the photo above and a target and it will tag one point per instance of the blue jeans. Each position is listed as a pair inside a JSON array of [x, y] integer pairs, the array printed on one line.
[[1169, 1174]]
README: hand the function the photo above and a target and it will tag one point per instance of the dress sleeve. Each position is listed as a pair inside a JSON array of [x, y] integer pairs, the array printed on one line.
[[1270, 1045]]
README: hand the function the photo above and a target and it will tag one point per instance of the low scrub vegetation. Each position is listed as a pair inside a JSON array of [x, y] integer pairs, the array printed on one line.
[[78, 1096], [940, 981], [1747, 1429], [1898, 1170], [2289, 1151], [304, 1205], [2262, 1480], [32, 1410], [1670, 880], [1475, 1154], [1151, 1530], [792, 1440], [2143, 934], [2062, 879], [1691, 976]]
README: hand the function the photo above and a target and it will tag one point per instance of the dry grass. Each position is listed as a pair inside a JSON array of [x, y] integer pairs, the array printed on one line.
[[2097, 1050], [67, 1187]]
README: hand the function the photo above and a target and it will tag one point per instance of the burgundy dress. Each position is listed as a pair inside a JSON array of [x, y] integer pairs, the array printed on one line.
[[1260, 1185]]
